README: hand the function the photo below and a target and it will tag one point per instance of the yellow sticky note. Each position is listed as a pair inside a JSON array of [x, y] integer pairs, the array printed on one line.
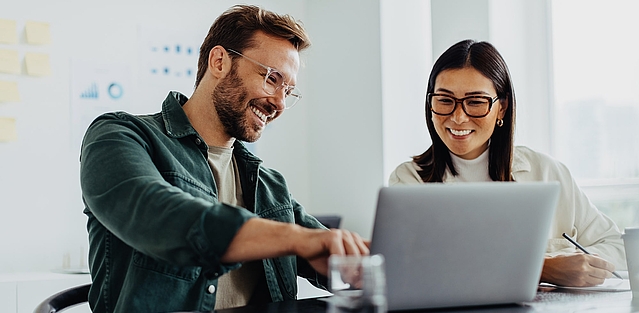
[[9, 91], [8, 32], [9, 61], [8, 129], [38, 64], [37, 33]]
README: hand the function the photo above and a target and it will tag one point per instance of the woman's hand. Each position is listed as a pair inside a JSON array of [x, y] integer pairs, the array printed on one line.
[[576, 270]]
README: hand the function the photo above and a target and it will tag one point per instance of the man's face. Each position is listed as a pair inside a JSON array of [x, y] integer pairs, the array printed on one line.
[[242, 104], [229, 99]]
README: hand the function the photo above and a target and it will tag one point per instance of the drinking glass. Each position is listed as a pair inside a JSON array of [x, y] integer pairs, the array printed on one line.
[[358, 284]]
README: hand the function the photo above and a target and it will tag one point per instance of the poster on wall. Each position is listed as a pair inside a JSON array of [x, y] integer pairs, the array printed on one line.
[[167, 61], [96, 88]]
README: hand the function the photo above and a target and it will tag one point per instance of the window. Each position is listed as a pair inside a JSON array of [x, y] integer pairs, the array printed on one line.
[[596, 75]]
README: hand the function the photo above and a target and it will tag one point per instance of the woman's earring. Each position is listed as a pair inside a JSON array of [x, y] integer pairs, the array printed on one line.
[[500, 122]]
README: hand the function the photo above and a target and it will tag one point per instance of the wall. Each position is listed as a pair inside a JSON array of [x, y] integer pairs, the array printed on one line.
[[344, 120], [406, 63], [317, 145], [336, 147], [329, 145], [457, 20], [411, 43], [519, 29]]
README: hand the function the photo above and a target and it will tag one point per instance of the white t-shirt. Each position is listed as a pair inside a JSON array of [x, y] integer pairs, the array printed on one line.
[[236, 287]]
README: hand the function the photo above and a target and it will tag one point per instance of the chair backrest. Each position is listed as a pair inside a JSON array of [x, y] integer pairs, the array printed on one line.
[[330, 221], [64, 299]]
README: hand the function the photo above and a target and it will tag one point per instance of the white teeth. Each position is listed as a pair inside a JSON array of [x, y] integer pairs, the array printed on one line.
[[463, 132], [259, 114]]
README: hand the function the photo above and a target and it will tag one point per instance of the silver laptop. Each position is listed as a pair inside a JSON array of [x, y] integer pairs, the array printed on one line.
[[463, 244]]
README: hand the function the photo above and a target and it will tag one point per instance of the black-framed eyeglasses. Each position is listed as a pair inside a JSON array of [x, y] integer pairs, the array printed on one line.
[[473, 106], [274, 81]]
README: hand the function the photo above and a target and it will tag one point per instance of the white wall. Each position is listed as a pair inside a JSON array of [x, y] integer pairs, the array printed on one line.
[[457, 20], [345, 117], [519, 29], [361, 115], [41, 220], [406, 63], [329, 146]]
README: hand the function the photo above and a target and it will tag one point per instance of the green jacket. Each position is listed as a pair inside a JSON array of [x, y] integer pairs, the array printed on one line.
[[156, 229]]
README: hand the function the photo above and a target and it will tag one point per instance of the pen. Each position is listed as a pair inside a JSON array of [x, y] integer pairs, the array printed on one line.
[[584, 250]]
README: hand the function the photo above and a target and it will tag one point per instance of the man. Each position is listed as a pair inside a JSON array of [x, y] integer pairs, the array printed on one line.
[[181, 216]]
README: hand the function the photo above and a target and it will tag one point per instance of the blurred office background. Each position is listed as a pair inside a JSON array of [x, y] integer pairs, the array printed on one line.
[[573, 63]]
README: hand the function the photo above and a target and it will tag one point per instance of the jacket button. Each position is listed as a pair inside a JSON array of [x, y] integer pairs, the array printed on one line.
[[211, 289], [198, 141]]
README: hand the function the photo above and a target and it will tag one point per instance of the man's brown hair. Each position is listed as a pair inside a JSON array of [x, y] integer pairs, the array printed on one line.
[[234, 29]]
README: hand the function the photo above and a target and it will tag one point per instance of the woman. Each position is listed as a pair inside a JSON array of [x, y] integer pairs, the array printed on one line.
[[470, 114]]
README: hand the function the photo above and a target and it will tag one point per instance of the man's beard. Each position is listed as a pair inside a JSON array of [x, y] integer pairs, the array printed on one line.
[[228, 99]]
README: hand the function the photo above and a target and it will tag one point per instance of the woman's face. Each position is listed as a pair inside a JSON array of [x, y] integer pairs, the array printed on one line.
[[466, 137]]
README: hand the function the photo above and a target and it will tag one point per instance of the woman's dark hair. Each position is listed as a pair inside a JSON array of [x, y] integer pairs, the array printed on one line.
[[234, 29], [483, 57]]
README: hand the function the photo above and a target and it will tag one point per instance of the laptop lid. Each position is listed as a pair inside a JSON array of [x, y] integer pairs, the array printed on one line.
[[463, 244]]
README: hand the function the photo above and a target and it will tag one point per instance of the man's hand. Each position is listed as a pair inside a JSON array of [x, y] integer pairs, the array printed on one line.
[[262, 239], [321, 244], [576, 270]]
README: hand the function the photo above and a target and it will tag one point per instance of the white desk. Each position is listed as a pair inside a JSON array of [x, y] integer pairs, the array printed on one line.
[[22, 292]]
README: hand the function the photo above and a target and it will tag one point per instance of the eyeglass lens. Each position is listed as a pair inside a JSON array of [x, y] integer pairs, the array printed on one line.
[[273, 81], [472, 106]]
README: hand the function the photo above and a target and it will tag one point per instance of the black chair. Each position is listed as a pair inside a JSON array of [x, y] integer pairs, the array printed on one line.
[[64, 299], [330, 221]]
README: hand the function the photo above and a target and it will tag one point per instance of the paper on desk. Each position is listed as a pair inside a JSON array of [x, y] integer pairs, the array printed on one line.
[[609, 285]]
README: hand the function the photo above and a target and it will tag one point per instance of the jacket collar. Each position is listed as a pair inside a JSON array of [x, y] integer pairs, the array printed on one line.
[[241, 151], [176, 122], [520, 163]]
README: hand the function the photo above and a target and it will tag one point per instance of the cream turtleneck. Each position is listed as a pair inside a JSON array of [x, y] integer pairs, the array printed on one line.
[[475, 170]]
